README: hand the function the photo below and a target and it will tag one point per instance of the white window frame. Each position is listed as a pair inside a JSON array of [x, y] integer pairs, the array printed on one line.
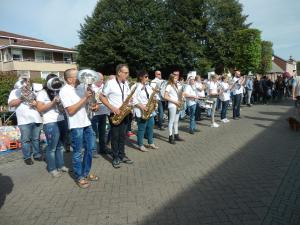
[[43, 56], [19, 52]]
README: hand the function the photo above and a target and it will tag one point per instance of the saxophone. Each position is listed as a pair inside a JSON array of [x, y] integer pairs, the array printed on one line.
[[181, 101], [125, 109], [151, 105]]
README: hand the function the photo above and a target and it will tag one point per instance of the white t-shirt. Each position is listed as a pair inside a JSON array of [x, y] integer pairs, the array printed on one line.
[[191, 91], [173, 93], [52, 115], [156, 83], [103, 110], [199, 86], [237, 91], [70, 96], [213, 88], [225, 96], [113, 91], [140, 97], [25, 113]]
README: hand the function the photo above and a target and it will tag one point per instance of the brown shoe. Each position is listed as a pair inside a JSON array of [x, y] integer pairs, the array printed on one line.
[[177, 138]]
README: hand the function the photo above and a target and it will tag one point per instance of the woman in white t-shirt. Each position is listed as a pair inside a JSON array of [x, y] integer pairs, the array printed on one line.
[[140, 99], [172, 94], [225, 97], [213, 96], [190, 93], [54, 127]]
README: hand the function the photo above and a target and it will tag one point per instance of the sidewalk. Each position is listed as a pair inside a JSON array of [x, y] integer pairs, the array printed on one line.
[[245, 172]]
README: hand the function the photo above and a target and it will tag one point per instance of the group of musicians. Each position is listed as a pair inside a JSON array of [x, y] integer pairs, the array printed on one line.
[[72, 120]]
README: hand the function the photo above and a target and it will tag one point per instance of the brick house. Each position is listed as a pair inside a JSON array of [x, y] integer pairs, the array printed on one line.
[[289, 66], [34, 57]]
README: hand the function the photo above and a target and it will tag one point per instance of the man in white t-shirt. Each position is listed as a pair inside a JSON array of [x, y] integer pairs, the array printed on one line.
[[156, 83], [237, 92], [29, 122], [74, 99], [113, 95], [99, 119]]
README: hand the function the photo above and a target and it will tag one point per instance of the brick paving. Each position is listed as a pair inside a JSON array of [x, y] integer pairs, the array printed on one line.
[[246, 172]]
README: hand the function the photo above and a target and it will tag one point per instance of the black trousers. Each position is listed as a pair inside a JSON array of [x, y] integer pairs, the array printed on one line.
[[118, 137]]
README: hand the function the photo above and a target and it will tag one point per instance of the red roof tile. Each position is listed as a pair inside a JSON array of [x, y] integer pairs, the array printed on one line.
[[40, 45]]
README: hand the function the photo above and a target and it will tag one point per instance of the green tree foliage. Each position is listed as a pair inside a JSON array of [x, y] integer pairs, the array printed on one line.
[[161, 34], [224, 19], [247, 50], [266, 57], [7, 81], [124, 31]]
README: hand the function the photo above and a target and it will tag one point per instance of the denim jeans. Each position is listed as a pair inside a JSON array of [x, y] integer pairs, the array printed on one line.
[[30, 137], [192, 112], [249, 94], [118, 136], [236, 105], [82, 137], [55, 133], [99, 128], [145, 127], [173, 120], [224, 109], [160, 115]]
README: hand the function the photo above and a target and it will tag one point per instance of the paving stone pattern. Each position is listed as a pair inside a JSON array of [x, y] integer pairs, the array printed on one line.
[[246, 172]]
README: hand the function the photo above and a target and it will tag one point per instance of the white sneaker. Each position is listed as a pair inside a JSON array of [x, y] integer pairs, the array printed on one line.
[[143, 149], [55, 173], [215, 125], [63, 169], [227, 120], [152, 146]]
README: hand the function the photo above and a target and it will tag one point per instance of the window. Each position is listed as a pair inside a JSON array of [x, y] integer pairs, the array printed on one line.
[[67, 57], [17, 54], [42, 56], [44, 74]]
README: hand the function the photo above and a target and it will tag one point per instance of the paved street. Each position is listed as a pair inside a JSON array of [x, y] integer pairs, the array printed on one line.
[[246, 172]]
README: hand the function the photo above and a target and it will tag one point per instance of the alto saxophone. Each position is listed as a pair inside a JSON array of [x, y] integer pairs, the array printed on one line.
[[181, 101], [125, 109], [151, 105]]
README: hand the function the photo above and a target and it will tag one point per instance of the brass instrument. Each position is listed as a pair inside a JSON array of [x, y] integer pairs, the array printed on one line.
[[27, 95], [55, 84], [125, 109], [88, 77], [180, 105], [151, 105]]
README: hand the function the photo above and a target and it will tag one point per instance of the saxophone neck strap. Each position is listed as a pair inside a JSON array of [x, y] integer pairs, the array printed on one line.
[[122, 89]]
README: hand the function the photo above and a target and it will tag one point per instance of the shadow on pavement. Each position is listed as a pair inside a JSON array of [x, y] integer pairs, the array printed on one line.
[[239, 190], [6, 187]]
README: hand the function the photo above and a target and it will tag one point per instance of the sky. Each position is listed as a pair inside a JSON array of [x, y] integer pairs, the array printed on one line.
[[58, 21]]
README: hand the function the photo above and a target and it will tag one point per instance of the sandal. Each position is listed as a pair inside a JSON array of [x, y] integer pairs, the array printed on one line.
[[92, 177], [83, 183]]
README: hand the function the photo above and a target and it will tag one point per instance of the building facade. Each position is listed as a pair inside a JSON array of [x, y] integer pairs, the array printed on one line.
[[33, 57]]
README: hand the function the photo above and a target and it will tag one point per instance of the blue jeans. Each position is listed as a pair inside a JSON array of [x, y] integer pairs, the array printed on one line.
[[236, 105], [192, 112], [145, 126], [224, 109], [160, 115], [82, 137], [30, 136], [99, 128], [55, 133]]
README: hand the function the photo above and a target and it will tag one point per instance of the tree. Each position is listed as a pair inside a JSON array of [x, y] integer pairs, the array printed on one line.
[[124, 32], [266, 57], [224, 19], [247, 50]]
